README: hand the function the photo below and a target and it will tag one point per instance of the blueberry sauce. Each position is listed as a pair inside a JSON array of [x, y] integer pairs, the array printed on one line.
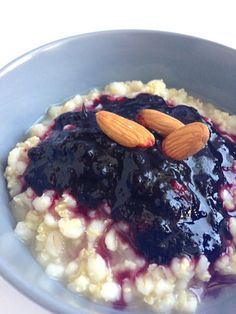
[[173, 208]]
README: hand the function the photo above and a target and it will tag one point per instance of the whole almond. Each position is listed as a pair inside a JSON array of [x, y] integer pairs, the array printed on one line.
[[186, 141], [159, 121], [124, 131]]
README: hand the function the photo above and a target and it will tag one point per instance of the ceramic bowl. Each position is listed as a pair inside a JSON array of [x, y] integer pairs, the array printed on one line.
[[59, 70]]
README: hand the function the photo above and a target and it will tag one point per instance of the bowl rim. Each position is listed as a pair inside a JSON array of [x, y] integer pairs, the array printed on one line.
[[50, 45], [38, 295]]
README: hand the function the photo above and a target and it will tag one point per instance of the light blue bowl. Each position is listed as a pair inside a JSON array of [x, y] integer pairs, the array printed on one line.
[[55, 72]]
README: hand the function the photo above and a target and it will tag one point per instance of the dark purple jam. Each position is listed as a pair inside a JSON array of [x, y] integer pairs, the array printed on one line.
[[173, 208]]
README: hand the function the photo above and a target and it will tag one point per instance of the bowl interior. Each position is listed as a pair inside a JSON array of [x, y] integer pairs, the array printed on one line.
[[57, 71]]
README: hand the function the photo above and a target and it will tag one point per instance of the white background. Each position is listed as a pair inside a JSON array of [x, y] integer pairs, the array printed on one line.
[[26, 24]]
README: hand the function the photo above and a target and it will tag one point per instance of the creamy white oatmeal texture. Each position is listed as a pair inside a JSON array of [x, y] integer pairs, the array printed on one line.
[[64, 244]]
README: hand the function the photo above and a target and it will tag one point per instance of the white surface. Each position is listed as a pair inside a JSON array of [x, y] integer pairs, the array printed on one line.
[[27, 24]]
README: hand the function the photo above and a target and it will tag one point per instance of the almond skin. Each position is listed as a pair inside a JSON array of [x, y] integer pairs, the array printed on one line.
[[186, 141], [158, 121], [124, 131]]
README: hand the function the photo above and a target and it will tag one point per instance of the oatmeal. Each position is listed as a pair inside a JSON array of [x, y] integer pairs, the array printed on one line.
[[129, 225]]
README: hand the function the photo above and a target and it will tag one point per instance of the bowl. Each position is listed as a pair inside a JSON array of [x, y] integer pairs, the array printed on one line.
[[59, 70]]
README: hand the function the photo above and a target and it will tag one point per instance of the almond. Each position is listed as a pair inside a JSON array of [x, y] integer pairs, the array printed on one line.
[[186, 141], [124, 131], [158, 121]]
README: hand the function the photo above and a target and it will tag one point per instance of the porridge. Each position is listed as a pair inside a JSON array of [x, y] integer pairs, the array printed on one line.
[[128, 195]]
